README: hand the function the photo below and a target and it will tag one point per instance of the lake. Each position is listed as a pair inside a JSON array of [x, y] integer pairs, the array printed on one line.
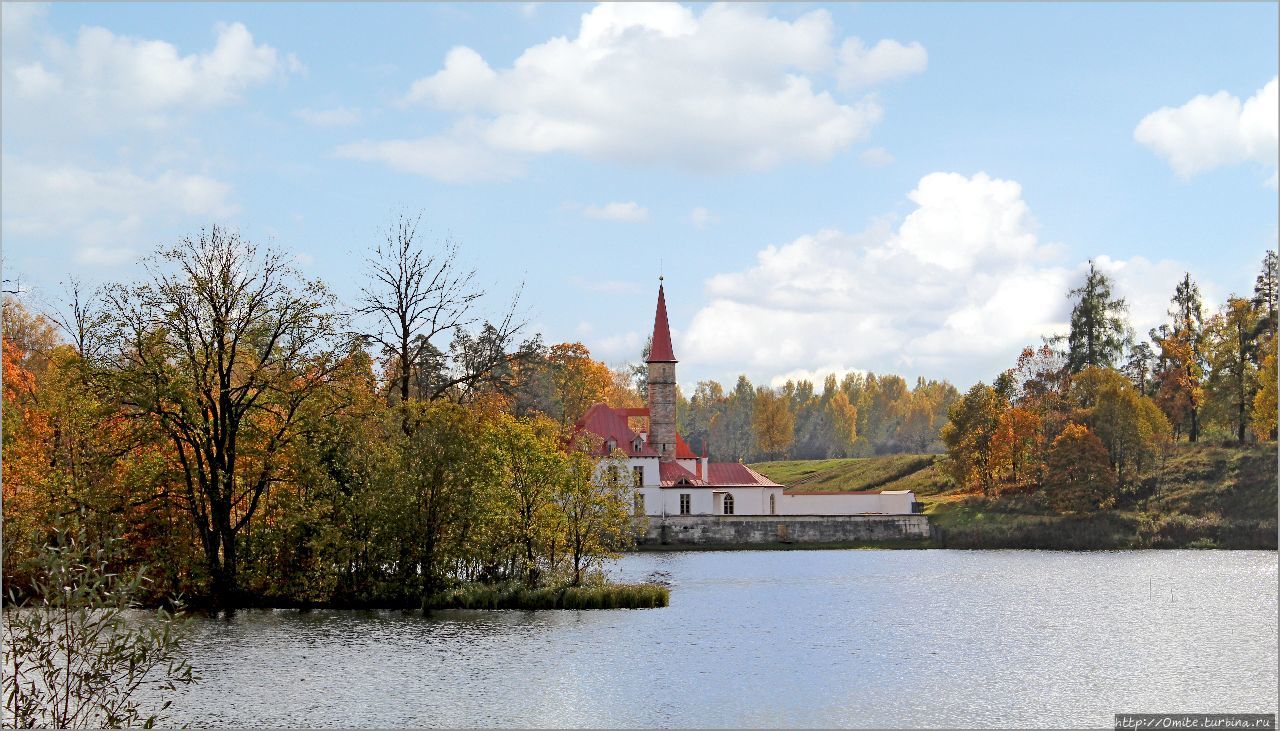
[[777, 639]]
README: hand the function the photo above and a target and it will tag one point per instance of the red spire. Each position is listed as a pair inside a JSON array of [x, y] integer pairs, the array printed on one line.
[[660, 351]]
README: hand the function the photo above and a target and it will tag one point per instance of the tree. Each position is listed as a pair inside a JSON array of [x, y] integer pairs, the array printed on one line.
[[1232, 375], [842, 425], [1139, 367], [444, 462], [1266, 296], [1264, 401], [73, 657], [1179, 390], [1018, 444], [595, 499], [1130, 425], [221, 348], [973, 422], [579, 380], [1079, 475], [531, 464], [772, 423], [414, 297], [1098, 328]]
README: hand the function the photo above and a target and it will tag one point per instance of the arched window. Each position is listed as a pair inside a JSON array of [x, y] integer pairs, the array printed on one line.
[[728, 504], [773, 505]]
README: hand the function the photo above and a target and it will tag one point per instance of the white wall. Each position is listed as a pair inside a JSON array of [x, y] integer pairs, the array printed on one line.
[[887, 503]]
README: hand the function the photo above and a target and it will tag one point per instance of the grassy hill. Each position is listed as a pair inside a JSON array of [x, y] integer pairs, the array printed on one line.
[[1199, 496]]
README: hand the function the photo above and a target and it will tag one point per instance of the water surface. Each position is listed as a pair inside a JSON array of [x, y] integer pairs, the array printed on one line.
[[781, 638]]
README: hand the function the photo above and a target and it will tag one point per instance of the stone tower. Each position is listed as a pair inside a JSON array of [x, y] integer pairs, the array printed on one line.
[[662, 385]]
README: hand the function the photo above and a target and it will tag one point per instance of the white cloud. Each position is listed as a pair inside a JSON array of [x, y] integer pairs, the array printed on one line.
[[701, 218], [726, 88], [955, 289], [885, 61], [630, 212], [336, 117], [1214, 131], [102, 80], [816, 376], [875, 157], [454, 158], [103, 210]]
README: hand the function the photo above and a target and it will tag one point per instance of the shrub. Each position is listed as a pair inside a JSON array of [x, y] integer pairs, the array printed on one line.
[[73, 657]]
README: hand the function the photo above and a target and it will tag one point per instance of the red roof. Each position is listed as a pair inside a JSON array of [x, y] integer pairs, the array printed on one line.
[[671, 472], [682, 449], [660, 350], [609, 423], [735, 473]]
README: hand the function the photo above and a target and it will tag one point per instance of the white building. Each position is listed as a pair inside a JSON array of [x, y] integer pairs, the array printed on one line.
[[670, 479]]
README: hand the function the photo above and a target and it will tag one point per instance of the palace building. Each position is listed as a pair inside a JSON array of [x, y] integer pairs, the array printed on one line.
[[670, 479]]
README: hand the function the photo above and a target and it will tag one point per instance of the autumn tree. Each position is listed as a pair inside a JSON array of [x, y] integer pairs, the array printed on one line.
[[1180, 371], [1264, 401], [1233, 375], [973, 423], [1098, 327], [579, 380], [221, 347], [1130, 425], [772, 423], [1079, 475], [1018, 445]]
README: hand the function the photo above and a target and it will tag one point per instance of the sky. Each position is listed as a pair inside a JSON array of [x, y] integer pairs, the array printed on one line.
[[897, 188]]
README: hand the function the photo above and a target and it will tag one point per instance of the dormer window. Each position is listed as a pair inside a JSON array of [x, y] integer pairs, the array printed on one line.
[[635, 446], [609, 446]]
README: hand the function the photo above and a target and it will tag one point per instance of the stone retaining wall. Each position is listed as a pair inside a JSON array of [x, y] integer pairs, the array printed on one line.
[[711, 530]]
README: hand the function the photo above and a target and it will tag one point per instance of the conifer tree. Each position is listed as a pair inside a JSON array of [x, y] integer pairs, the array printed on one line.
[[1098, 328]]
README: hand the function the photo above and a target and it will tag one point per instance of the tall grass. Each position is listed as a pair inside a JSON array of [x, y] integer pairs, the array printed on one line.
[[518, 596]]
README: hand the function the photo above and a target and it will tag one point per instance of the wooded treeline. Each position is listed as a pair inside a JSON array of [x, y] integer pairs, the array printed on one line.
[[1087, 415], [253, 442]]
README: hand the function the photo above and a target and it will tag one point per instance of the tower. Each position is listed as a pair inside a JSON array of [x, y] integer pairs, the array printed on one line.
[[662, 385]]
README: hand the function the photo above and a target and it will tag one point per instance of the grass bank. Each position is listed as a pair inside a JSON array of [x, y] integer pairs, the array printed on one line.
[[1199, 496], [518, 596]]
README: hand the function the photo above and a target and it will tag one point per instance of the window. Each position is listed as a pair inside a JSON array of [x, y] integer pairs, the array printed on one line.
[[685, 499], [728, 504], [637, 474], [636, 445], [639, 503], [609, 446], [773, 505]]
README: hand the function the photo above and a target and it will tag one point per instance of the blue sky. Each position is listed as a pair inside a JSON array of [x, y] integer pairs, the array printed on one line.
[[903, 188]]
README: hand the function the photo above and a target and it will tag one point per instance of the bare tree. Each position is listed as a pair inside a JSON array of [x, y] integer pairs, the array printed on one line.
[[221, 348], [414, 297], [83, 320]]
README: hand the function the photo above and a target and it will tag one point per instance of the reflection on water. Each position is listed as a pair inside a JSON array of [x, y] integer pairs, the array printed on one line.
[[769, 639]]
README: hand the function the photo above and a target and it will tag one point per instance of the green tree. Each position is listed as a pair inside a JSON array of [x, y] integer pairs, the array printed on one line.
[[1266, 296], [1098, 327], [595, 499]]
